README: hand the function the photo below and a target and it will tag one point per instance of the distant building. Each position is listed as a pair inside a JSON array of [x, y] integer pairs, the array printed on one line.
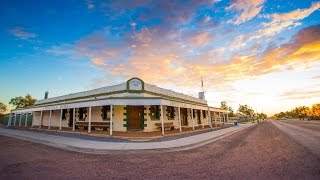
[[130, 106]]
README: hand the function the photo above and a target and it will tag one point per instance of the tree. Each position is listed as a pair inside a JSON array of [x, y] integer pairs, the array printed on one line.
[[314, 112], [223, 105], [245, 109], [231, 113], [21, 102], [3, 108], [261, 116]]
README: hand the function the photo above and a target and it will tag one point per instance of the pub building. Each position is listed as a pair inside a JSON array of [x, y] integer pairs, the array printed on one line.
[[130, 106]]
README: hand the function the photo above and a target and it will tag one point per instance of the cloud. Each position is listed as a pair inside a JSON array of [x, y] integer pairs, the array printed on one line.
[[276, 24], [280, 22], [316, 77], [90, 4], [302, 51], [201, 39], [300, 94], [248, 9], [20, 33]]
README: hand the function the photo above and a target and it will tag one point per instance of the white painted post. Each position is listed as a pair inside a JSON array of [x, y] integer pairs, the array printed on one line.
[[89, 125], [15, 118], [202, 119], [49, 124], [74, 120], [162, 123], [25, 123], [209, 118], [215, 119], [20, 119], [227, 116], [9, 121], [40, 123], [220, 118], [192, 119], [111, 119], [32, 119], [60, 125], [179, 116]]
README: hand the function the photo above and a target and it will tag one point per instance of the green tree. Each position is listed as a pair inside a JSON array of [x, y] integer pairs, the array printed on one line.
[[231, 112], [245, 109], [315, 111], [223, 105], [21, 102], [3, 108]]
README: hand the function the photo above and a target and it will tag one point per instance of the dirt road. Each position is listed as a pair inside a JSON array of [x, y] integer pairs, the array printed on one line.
[[259, 152]]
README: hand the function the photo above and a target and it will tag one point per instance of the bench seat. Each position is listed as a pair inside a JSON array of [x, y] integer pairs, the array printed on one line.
[[168, 125], [101, 124]]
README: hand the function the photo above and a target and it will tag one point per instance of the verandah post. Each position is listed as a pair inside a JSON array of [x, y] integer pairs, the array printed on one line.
[[179, 116], [60, 124], [192, 119], [74, 120], [25, 123], [89, 125], [162, 123], [49, 125], [111, 119]]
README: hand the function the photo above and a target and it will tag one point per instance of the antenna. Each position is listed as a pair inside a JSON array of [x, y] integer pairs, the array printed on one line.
[[202, 84]]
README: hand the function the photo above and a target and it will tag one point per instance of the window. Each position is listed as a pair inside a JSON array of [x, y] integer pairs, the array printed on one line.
[[82, 114], [64, 112], [204, 113], [193, 113], [199, 116], [154, 112], [105, 113], [170, 112]]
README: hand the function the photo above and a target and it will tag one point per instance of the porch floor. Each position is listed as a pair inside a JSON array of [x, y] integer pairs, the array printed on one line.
[[123, 136]]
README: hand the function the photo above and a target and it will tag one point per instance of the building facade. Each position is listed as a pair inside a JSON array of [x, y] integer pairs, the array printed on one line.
[[130, 106]]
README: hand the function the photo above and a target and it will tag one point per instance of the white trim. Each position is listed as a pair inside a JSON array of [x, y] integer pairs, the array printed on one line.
[[111, 119], [192, 119], [25, 123], [49, 124], [89, 123], [179, 116], [162, 124]]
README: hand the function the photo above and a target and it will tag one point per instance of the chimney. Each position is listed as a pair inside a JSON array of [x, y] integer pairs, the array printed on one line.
[[46, 94], [201, 95]]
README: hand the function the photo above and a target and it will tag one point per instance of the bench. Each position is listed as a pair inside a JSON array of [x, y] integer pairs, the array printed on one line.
[[166, 125], [85, 124]]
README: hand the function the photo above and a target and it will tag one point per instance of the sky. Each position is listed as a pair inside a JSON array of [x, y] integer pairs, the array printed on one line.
[[264, 53]]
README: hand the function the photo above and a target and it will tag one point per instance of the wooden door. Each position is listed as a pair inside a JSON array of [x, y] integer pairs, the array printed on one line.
[[135, 117], [184, 117], [70, 117]]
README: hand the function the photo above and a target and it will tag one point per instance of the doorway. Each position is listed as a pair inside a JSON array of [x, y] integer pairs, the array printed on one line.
[[184, 116], [71, 118], [135, 117]]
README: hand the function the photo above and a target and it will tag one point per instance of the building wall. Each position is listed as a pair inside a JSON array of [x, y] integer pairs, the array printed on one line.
[[119, 118]]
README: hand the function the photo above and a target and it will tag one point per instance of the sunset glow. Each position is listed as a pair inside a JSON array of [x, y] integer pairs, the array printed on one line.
[[264, 53]]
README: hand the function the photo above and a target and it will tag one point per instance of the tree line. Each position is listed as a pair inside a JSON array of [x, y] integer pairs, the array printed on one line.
[[244, 111], [18, 102], [301, 112]]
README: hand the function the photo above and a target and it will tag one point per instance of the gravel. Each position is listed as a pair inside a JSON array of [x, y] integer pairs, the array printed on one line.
[[258, 152]]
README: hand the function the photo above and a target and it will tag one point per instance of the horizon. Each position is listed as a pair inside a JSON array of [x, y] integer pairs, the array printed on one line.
[[262, 53]]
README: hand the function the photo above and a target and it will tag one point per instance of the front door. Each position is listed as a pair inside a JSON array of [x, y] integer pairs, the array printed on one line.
[[135, 115], [184, 116], [71, 118]]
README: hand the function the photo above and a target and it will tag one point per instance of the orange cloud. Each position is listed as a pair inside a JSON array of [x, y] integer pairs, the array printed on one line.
[[249, 9], [201, 39]]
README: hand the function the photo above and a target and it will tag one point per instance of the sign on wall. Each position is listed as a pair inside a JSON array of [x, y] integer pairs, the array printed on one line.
[[135, 84]]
